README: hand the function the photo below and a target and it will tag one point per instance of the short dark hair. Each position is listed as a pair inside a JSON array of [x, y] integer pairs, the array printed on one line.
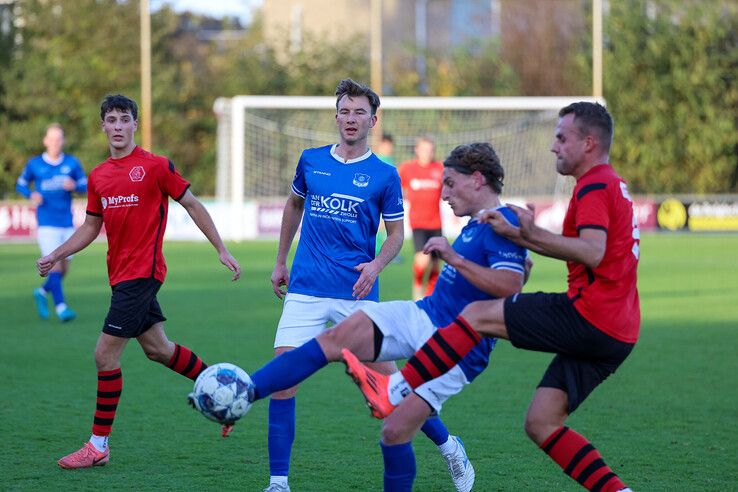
[[348, 87], [386, 137], [478, 156], [591, 118], [119, 102]]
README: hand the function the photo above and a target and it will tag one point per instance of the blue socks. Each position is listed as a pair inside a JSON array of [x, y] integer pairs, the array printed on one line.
[[281, 435], [435, 429], [288, 369], [53, 284], [399, 467]]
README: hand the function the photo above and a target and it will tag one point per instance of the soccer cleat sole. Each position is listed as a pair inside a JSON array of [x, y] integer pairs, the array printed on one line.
[[99, 463], [376, 413]]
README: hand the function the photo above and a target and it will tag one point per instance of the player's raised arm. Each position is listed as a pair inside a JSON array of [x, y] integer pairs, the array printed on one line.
[[204, 222], [493, 281]]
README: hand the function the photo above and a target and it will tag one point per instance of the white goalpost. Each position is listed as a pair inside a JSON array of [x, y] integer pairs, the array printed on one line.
[[260, 139]]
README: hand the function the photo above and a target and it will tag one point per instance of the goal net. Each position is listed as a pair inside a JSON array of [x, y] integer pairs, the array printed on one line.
[[260, 139]]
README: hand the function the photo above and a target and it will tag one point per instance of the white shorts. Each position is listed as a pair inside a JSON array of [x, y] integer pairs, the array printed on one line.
[[49, 238], [306, 317], [406, 328]]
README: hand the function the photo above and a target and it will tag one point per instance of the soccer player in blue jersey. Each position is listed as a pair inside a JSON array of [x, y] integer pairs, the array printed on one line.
[[480, 265], [55, 176], [340, 192]]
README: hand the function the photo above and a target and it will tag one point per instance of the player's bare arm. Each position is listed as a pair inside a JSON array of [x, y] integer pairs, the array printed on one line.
[[371, 270], [588, 248], [204, 222], [291, 218], [495, 282], [81, 238]]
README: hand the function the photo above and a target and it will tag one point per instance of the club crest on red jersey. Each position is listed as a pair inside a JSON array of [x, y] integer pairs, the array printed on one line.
[[137, 173]]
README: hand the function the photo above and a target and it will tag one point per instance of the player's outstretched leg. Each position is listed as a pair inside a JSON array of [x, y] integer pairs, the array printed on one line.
[[185, 362], [372, 384]]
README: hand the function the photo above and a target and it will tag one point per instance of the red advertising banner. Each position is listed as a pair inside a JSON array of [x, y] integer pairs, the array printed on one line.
[[18, 220]]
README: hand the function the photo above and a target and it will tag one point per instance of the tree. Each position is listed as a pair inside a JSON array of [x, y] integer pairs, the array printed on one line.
[[63, 77], [670, 82]]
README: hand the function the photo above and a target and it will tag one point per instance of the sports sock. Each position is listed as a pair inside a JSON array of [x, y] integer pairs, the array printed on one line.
[[281, 435], [109, 387], [100, 442], [581, 461], [288, 369], [435, 429], [432, 279], [441, 352], [399, 467], [54, 285], [185, 362]]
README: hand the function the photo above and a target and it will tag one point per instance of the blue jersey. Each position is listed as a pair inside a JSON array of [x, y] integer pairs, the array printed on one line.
[[56, 208], [480, 244], [343, 204]]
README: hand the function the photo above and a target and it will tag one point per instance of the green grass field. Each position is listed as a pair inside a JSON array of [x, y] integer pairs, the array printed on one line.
[[668, 420]]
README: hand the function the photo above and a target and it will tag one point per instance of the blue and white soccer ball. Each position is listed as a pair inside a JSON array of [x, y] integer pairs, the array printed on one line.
[[223, 393]]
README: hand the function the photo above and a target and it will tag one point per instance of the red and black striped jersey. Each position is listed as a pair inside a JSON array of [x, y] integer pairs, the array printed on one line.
[[607, 296], [131, 194]]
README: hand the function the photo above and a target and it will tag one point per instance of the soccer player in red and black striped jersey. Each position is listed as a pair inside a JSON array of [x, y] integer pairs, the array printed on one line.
[[129, 194], [591, 328]]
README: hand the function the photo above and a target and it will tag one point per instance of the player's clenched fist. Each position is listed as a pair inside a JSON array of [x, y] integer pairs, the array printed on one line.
[[44, 265]]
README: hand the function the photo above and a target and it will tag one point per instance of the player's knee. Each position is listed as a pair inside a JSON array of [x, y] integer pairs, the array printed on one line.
[[343, 335], [537, 429], [104, 362], [157, 353], [482, 313], [393, 433], [474, 312]]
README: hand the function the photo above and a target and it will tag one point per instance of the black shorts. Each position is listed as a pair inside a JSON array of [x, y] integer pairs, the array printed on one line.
[[421, 236], [585, 356], [133, 308]]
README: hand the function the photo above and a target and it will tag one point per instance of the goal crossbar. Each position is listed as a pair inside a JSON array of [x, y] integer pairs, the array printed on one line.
[[233, 140]]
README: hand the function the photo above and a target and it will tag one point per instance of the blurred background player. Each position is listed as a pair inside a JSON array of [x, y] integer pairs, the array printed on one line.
[[55, 176], [339, 191], [422, 179], [480, 265], [592, 328], [129, 193], [386, 149]]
